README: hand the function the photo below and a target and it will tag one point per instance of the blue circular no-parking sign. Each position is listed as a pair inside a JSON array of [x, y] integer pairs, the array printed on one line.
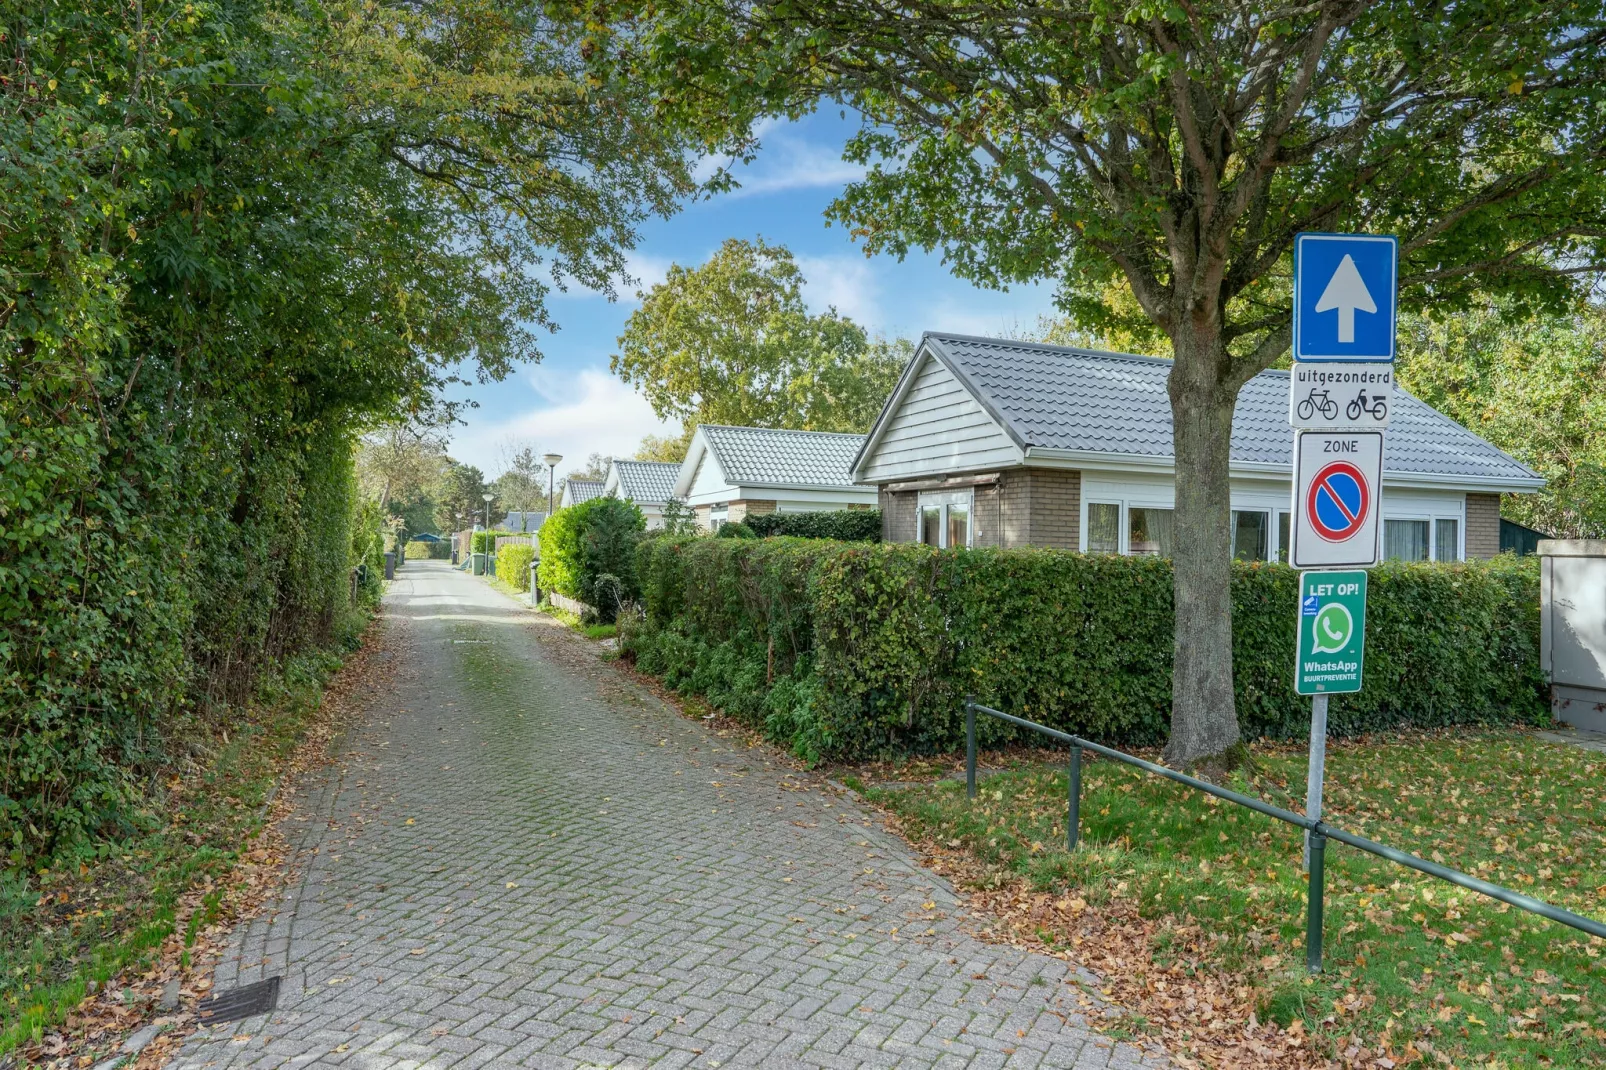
[[1338, 501]]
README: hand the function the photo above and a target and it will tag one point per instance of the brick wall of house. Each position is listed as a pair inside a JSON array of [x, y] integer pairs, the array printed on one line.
[[1026, 507], [742, 509], [897, 515], [1483, 525], [987, 506], [1049, 509]]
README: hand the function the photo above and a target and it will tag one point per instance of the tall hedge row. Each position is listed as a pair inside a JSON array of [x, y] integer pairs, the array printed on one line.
[[849, 651]]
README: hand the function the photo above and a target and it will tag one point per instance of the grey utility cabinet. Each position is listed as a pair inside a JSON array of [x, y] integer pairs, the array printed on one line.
[[1572, 594]]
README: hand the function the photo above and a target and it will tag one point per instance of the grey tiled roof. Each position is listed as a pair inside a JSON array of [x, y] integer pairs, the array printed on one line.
[[769, 457], [582, 490], [1055, 397], [647, 482]]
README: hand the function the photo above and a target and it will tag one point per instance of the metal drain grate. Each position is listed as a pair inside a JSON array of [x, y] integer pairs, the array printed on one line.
[[241, 1002]]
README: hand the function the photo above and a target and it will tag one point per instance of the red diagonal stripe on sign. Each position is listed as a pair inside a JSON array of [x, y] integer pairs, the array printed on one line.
[[1332, 492]]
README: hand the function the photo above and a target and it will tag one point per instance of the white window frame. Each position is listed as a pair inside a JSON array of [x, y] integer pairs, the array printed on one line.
[[1126, 503], [1433, 517], [1120, 523], [1270, 514], [943, 499]]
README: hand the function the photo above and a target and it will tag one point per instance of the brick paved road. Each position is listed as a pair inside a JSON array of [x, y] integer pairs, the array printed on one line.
[[521, 860]]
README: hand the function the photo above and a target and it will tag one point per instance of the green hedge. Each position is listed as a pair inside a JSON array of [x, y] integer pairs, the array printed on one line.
[[850, 651], [513, 565], [483, 542], [849, 525], [416, 550], [588, 552]]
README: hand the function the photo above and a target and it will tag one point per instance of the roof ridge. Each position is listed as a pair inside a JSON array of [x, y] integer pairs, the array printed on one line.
[[1079, 351], [783, 430]]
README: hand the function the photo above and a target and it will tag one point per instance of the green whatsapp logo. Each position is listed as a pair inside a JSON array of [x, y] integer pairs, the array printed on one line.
[[1332, 629]]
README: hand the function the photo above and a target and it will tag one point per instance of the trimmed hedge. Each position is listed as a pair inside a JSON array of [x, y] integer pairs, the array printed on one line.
[[483, 542], [848, 525], [588, 552], [513, 565], [851, 651]]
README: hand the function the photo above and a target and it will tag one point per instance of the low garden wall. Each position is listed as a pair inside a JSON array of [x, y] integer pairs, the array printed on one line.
[[854, 650]]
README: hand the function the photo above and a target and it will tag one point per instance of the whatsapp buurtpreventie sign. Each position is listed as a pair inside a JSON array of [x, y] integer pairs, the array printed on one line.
[[1332, 632]]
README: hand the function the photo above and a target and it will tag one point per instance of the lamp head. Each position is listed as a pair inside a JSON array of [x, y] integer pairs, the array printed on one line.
[[552, 459], [487, 497]]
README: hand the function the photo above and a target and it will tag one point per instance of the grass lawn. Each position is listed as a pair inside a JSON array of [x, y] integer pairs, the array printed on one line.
[[1418, 971]]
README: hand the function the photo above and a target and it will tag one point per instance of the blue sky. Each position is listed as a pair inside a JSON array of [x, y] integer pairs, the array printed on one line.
[[570, 403]]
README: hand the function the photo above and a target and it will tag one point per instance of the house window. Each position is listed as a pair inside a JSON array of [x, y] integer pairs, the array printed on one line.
[[1446, 539], [1405, 540], [1103, 528], [945, 519], [1250, 535], [1149, 531]]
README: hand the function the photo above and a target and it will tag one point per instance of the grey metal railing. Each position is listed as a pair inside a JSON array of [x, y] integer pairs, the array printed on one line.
[[1320, 831]]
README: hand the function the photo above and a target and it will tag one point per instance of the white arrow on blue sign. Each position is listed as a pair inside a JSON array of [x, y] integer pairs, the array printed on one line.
[[1345, 287]]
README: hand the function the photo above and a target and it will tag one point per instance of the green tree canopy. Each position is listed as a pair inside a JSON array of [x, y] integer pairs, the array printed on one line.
[[731, 342], [1177, 148], [1536, 389], [236, 236]]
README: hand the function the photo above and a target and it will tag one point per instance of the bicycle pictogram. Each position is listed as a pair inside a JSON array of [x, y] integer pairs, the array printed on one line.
[[1317, 401]]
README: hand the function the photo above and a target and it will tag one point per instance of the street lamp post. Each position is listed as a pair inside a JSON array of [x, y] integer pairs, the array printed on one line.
[[551, 460]]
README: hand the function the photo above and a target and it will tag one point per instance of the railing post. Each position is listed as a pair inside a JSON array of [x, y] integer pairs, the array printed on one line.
[[970, 746], [1073, 801], [1313, 912]]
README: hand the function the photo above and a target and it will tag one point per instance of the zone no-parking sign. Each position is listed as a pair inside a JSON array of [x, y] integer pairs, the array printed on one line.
[[1338, 483]]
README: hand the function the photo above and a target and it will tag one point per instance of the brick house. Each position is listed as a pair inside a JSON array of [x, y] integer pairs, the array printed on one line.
[[731, 473], [990, 442]]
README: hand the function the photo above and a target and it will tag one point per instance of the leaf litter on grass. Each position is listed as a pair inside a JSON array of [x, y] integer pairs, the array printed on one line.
[[1194, 909], [163, 987]]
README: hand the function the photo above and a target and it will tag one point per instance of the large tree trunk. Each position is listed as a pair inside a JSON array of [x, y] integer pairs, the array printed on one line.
[[1204, 721]]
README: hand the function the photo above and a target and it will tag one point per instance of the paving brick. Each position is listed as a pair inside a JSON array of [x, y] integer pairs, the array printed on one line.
[[590, 879]]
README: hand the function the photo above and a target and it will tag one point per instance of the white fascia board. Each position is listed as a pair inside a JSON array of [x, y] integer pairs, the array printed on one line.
[[688, 466], [1098, 460], [785, 492]]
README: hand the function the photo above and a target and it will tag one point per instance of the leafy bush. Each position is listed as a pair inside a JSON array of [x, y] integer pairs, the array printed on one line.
[[416, 550], [588, 552], [847, 650], [735, 530], [483, 542], [848, 525], [513, 565]]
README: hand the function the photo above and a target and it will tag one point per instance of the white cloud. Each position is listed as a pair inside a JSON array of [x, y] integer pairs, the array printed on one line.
[[574, 414], [784, 162], [847, 282]]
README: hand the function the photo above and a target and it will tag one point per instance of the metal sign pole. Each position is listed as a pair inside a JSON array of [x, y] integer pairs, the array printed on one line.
[[1318, 765]]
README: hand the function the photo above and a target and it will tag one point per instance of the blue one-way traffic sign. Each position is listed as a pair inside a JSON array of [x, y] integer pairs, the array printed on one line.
[[1344, 296]]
